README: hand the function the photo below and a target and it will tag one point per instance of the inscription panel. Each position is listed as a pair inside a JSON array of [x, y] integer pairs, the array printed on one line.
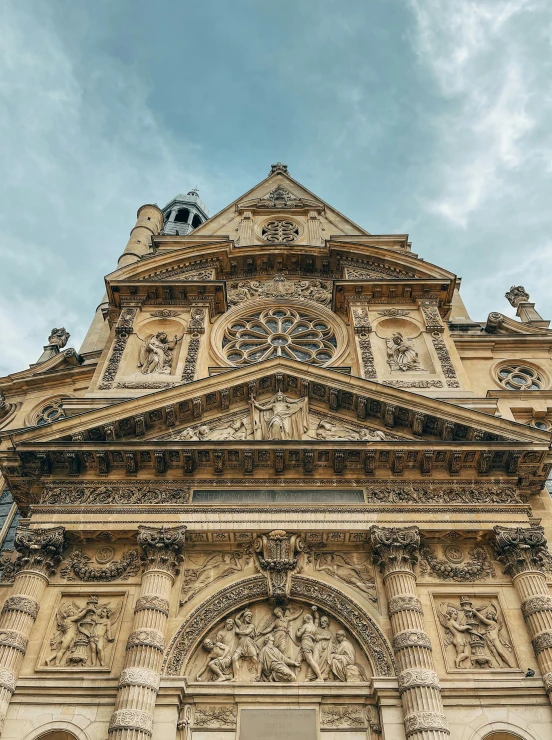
[[278, 496], [277, 724]]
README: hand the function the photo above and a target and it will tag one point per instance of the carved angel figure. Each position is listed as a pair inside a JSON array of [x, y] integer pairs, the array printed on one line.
[[401, 355], [497, 645], [455, 632], [328, 430], [59, 337], [156, 353], [280, 418], [216, 567], [347, 567]]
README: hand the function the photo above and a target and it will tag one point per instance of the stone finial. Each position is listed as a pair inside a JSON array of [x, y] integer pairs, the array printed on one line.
[[521, 549], [516, 295], [40, 549], [395, 548], [162, 547], [278, 167], [58, 337], [277, 554]]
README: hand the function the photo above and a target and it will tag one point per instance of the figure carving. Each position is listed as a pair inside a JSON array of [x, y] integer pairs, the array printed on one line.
[[83, 633], [401, 355], [319, 291], [156, 353], [516, 295], [214, 567], [59, 337], [478, 635], [329, 430], [273, 651], [351, 568], [280, 418]]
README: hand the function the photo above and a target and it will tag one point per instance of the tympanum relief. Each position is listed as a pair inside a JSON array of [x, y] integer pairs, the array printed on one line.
[[282, 644], [474, 634], [83, 633]]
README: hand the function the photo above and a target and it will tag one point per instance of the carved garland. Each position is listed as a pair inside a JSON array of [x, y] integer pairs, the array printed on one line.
[[77, 566], [478, 567], [255, 588], [442, 353]]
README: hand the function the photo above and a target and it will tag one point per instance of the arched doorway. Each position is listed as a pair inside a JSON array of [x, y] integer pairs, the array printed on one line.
[[501, 735], [57, 735]]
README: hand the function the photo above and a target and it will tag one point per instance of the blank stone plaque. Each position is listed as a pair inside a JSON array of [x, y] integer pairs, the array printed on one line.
[[278, 724]]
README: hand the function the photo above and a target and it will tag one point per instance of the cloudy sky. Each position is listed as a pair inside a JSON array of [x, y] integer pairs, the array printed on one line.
[[429, 117]]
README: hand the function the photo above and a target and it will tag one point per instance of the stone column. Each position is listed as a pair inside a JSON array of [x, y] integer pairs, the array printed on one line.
[[523, 554], [396, 551], [139, 680], [39, 554]]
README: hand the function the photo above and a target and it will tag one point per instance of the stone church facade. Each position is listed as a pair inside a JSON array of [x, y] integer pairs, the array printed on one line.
[[287, 488]]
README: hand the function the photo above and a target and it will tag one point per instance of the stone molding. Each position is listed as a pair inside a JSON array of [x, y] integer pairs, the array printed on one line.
[[139, 677], [23, 604], [425, 721], [131, 719], [414, 677], [404, 603], [153, 603], [542, 642], [146, 638], [411, 638], [14, 639], [536, 604], [8, 681]]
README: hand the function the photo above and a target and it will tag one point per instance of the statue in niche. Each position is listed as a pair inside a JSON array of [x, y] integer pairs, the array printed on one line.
[[280, 418], [342, 660], [351, 568], [401, 355], [83, 633], [59, 337], [214, 567], [274, 665], [156, 353], [478, 635], [327, 429], [274, 651]]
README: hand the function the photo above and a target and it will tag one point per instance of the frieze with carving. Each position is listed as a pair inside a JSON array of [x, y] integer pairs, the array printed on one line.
[[83, 633], [101, 494], [442, 494], [474, 633], [78, 567], [210, 567], [215, 716], [452, 568], [319, 291], [342, 715]]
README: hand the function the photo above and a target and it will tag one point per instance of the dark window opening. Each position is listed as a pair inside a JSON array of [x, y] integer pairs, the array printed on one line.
[[196, 221], [182, 216]]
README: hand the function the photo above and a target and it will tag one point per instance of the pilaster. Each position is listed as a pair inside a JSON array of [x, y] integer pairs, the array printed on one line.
[[396, 552]]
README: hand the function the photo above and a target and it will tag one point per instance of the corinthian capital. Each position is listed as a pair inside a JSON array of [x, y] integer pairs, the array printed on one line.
[[395, 548], [40, 549], [161, 547], [520, 550]]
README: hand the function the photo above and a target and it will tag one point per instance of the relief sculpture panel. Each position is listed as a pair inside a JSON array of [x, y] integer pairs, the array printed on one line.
[[352, 568], [282, 644], [83, 632], [205, 568], [474, 633]]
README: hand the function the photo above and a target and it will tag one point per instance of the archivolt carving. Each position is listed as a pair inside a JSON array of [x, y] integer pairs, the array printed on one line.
[[206, 616]]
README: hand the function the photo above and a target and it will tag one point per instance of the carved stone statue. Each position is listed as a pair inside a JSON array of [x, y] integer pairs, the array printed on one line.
[[516, 295], [307, 634], [59, 337], [156, 353], [219, 661], [247, 647], [83, 633], [280, 418], [274, 664], [343, 659], [401, 355], [478, 635], [234, 430], [327, 429]]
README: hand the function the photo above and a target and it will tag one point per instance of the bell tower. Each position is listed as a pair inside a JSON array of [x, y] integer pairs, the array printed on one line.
[[184, 213]]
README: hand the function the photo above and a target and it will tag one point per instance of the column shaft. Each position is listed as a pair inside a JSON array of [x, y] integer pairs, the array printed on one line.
[[395, 550]]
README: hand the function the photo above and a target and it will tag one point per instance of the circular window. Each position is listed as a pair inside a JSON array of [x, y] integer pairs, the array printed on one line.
[[51, 412], [519, 378], [279, 332], [280, 231]]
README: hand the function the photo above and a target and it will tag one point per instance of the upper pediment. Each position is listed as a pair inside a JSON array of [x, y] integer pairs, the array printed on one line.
[[282, 414]]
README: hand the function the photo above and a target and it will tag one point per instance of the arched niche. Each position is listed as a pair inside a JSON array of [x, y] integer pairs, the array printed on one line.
[[350, 616]]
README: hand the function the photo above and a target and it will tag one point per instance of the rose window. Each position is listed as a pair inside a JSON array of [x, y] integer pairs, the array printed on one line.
[[519, 378], [279, 230], [279, 332]]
